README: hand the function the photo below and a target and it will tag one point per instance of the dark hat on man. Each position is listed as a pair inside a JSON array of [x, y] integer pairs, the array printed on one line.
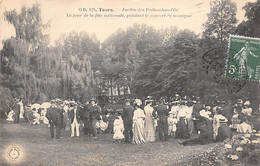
[[149, 99], [127, 100], [93, 99]]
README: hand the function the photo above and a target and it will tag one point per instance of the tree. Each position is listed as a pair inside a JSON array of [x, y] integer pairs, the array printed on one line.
[[6, 101], [143, 82], [251, 27], [165, 70], [125, 49], [28, 25], [221, 20]]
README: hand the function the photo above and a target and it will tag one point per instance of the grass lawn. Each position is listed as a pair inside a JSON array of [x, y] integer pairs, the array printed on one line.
[[38, 149]]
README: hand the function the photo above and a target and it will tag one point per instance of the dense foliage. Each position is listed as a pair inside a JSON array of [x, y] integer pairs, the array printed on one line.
[[242, 149]]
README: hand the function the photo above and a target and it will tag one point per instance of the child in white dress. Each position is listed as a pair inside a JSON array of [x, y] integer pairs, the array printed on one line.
[[172, 122], [43, 116], [118, 129], [235, 120], [37, 117], [10, 116]]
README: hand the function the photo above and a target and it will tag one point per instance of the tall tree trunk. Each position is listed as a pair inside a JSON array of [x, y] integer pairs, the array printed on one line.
[[111, 86], [118, 89], [221, 26]]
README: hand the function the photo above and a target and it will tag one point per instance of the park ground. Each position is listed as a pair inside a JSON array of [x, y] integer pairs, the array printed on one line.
[[36, 148]]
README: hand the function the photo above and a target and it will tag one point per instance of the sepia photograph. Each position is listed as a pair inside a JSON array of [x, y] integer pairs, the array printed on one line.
[[130, 82]]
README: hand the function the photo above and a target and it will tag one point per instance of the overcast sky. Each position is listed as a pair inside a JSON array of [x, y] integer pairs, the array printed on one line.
[[56, 11]]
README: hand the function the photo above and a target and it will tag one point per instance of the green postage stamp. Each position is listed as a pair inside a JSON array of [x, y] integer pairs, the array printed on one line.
[[243, 58]]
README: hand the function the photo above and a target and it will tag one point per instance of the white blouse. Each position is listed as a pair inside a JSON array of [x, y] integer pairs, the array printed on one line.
[[138, 113]]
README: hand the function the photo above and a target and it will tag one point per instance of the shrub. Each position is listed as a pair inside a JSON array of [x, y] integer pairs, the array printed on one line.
[[6, 101]]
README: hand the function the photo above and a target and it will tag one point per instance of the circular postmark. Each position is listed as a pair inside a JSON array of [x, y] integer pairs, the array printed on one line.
[[14, 153], [214, 62]]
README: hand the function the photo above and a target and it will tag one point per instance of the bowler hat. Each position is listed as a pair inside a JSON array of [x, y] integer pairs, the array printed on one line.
[[93, 99], [127, 100]]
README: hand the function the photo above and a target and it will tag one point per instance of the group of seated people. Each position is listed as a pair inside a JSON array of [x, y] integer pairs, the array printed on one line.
[[220, 121]]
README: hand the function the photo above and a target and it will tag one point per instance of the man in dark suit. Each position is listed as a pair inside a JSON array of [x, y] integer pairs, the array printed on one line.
[[206, 133], [228, 111], [224, 132], [127, 117], [54, 115], [162, 113], [86, 118], [74, 120], [16, 109], [196, 112], [95, 112]]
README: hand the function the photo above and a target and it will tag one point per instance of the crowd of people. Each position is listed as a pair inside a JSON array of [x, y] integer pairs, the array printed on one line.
[[138, 121]]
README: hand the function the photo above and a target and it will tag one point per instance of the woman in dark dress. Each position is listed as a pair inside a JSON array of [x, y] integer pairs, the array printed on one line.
[[182, 131], [206, 133]]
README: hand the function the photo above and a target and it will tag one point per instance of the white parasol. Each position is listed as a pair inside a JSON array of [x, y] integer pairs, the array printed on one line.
[[36, 106], [46, 105]]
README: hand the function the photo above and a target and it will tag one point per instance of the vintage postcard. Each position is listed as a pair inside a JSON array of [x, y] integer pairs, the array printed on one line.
[[129, 82]]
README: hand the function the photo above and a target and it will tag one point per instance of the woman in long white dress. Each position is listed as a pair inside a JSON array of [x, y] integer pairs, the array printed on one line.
[[21, 109], [149, 128], [138, 124]]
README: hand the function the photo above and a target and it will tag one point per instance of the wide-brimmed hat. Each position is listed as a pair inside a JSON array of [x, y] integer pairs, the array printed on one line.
[[58, 100], [138, 102], [149, 99], [222, 120], [72, 102], [240, 101], [247, 103], [174, 102]]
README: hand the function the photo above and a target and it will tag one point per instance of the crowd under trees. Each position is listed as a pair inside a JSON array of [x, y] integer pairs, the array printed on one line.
[[145, 60]]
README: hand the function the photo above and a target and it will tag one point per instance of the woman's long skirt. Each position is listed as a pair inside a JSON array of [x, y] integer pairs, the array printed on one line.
[[138, 132]]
